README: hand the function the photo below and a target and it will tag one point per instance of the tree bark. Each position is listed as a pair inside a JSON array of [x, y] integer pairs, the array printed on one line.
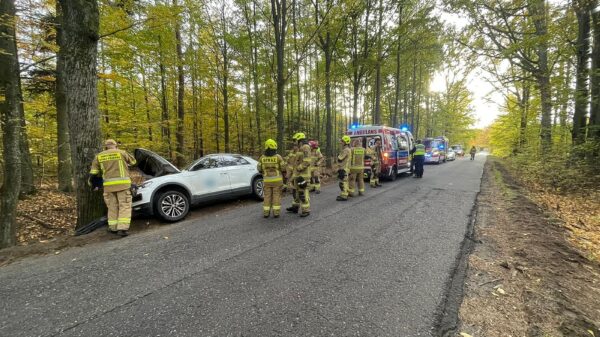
[[164, 126], [538, 12], [379, 61], [582, 71], [80, 24], [279, 12], [594, 125], [10, 89], [179, 134], [65, 170]]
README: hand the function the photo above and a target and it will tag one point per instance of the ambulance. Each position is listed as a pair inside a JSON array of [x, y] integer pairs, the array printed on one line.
[[395, 148], [435, 149]]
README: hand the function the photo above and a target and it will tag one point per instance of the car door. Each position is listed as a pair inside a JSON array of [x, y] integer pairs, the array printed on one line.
[[240, 173], [403, 151], [208, 178]]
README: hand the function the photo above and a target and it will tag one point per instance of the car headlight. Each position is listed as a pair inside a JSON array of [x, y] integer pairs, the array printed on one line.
[[146, 184]]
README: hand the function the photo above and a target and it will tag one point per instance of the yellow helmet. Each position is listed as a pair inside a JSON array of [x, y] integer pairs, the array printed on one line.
[[346, 139], [270, 144], [299, 136]]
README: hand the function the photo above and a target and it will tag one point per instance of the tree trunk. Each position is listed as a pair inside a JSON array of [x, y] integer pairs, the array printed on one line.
[[10, 89], [164, 126], [279, 10], [80, 24], [594, 125], [538, 12], [379, 61], [146, 101], [65, 170], [180, 147], [582, 72], [397, 77]]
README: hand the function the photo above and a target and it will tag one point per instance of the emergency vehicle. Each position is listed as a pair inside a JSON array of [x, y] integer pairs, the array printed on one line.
[[395, 148], [435, 149]]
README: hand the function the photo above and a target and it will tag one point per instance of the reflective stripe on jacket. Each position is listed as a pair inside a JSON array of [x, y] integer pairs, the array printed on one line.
[[271, 167], [358, 158], [113, 166]]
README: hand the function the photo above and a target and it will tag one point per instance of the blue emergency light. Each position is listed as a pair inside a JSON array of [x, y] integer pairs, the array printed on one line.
[[404, 127], [354, 126]]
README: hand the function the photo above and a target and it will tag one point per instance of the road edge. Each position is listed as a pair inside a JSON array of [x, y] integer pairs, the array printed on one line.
[[446, 316]]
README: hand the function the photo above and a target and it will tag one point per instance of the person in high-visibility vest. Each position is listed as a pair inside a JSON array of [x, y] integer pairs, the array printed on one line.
[[357, 168], [112, 165], [344, 159], [271, 165], [418, 153], [301, 176]]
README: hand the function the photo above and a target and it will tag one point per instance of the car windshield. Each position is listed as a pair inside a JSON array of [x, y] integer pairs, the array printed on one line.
[[456, 147]]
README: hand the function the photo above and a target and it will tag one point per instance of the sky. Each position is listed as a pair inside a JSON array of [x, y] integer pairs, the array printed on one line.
[[487, 101]]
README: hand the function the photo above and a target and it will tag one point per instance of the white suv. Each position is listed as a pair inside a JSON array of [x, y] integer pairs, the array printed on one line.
[[169, 192]]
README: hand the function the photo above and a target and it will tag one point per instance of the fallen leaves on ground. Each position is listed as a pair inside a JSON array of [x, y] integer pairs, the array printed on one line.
[[581, 216], [44, 215]]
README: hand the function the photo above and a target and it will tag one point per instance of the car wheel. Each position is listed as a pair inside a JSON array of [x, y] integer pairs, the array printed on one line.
[[258, 188], [394, 174], [172, 205]]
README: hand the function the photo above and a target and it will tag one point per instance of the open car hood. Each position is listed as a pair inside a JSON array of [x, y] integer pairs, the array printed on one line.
[[152, 164]]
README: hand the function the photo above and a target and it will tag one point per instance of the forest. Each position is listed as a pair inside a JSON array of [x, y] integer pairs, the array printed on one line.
[[185, 78]]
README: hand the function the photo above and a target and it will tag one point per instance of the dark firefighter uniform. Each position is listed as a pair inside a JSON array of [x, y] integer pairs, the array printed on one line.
[[271, 166], [301, 176], [375, 153], [357, 169], [315, 169], [344, 168], [113, 166], [419, 159]]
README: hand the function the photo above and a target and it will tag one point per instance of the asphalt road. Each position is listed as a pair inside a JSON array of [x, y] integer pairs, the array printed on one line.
[[377, 265]]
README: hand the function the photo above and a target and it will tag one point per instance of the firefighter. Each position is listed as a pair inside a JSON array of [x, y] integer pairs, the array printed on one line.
[[375, 153], [344, 168], [473, 152], [271, 166], [357, 168], [418, 153], [301, 176], [317, 161], [289, 160], [112, 165]]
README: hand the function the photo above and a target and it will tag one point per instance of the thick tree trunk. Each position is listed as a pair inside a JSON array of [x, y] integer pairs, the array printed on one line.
[[594, 125], [80, 24], [10, 89], [279, 10], [65, 170], [180, 147], [538, 12], [582, 72]]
